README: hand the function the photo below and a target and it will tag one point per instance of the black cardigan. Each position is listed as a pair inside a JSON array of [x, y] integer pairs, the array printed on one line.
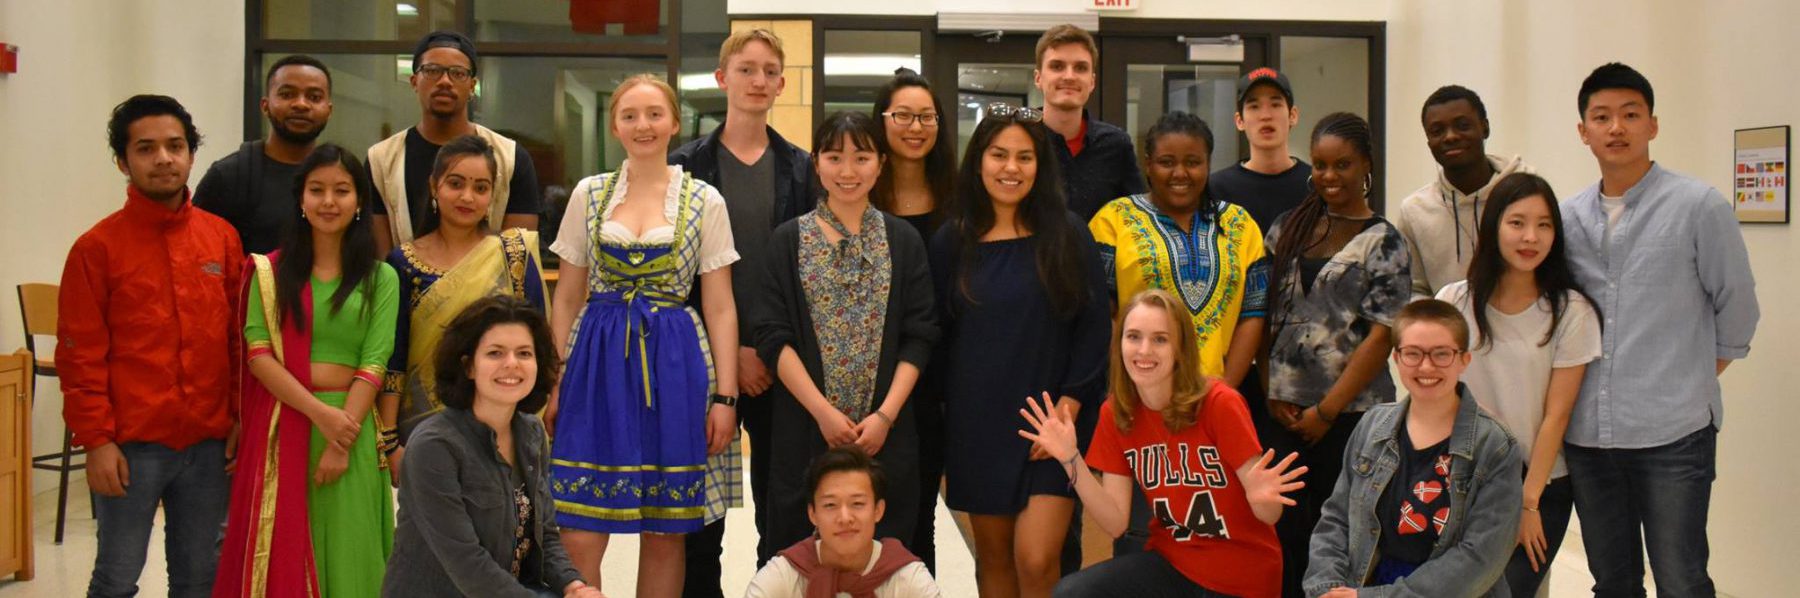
[[783, 318]]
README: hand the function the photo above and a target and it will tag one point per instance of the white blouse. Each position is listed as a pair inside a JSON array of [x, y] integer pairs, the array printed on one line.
[[717, 249]]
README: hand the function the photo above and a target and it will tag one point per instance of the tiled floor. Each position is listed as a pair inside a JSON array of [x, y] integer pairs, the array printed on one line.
[[62, 571]]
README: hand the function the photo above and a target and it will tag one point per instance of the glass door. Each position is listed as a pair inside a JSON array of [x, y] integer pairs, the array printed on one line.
[[1151, 76], [984, 69]]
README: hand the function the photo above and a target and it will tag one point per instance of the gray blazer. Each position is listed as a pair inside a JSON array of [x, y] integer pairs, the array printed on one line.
[[1486, 495], [455, 531]]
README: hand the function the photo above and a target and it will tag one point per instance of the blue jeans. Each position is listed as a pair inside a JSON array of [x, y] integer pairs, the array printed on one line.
[[193, 489], [1139, 575], [1631, 500]]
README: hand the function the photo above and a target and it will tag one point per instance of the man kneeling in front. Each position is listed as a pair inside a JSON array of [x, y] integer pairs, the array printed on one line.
[[843, 558]]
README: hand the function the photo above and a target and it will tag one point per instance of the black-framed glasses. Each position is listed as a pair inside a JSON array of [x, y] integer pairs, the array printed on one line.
[[433, 72], [906, 119], [1413, 356], [1022, 114]]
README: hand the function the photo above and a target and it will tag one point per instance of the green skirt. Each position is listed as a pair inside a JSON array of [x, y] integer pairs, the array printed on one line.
[[353, 516]]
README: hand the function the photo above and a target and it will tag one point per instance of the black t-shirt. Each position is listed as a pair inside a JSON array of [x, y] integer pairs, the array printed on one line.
[[1265, 196], [1416, 504], [253, 192], [524, 195]]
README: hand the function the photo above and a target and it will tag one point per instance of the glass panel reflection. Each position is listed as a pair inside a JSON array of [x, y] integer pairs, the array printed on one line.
[[978, 84], [1329, 74], [1207, 91], [356, 19], [570, 20], [858, 62]]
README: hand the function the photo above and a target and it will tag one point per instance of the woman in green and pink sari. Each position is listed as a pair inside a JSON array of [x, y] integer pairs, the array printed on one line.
[[311, 507]]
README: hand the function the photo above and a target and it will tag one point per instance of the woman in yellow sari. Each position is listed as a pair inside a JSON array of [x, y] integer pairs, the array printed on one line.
[[443, 272]]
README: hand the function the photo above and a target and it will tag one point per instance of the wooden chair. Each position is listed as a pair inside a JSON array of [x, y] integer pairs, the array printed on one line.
[[37, 305], [15, 469]]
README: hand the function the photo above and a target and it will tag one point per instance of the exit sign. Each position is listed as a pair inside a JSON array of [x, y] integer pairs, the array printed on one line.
[[1111, 4]]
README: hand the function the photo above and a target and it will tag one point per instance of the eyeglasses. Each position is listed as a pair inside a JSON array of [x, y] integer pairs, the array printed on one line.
[[433, 72], [1017, 113], [906, 119], [1413, 356]]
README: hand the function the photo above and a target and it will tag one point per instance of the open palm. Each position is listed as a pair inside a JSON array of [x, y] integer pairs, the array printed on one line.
[[1049, 427], [1265, 482]]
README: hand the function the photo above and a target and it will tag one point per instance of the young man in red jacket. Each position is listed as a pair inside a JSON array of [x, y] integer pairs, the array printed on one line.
[[146, 342]]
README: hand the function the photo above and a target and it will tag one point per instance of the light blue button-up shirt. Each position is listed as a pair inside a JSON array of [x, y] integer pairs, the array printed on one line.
[[1675, 293]]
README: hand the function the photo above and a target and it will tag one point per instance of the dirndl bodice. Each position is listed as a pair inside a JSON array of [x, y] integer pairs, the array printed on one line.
[[630, 449]]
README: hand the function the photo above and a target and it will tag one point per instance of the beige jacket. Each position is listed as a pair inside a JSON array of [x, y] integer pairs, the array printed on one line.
[[1440, 225], [387, 165]]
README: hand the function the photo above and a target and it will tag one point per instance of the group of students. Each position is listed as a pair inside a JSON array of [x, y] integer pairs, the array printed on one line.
[[879, 319]]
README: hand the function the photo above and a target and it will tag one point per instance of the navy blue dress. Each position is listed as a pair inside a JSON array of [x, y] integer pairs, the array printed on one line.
[[1008, 344]]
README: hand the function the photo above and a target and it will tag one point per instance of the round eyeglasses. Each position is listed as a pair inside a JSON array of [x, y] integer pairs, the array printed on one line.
[[1413, 356]]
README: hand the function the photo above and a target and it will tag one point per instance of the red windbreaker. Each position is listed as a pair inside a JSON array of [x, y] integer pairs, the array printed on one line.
[[146, 338]]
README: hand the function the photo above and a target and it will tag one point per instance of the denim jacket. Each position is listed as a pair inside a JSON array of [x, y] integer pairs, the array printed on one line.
[[1485, 500], [455, 534]]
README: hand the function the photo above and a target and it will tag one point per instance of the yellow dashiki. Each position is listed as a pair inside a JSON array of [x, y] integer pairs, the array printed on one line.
[[1218, 268]]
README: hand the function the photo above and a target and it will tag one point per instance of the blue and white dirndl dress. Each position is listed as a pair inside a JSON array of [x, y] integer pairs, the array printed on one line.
[[629, 455]]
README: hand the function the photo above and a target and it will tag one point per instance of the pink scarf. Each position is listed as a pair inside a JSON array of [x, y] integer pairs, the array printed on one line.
[[824, 581]]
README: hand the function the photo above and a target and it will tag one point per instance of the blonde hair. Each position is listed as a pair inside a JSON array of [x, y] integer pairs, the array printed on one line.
[[652, 80], [1067, 34], [741, 38], [1190, 385]]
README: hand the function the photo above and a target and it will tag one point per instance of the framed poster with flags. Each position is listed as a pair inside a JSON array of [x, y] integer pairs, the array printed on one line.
[[1759, 190]]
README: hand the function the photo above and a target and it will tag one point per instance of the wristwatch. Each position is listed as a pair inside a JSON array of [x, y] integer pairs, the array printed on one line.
[[725, 400]]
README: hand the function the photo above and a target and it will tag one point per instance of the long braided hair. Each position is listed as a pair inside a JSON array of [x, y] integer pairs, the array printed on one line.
[[1296, 230]]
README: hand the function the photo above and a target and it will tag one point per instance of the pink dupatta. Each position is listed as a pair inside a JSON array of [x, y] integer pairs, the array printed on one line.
[[268, 550]]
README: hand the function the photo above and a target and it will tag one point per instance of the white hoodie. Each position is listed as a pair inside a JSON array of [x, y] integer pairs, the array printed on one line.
[[1442, 239]]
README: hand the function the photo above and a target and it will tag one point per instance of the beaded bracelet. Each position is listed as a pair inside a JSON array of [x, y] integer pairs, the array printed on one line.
[[1070, 463]]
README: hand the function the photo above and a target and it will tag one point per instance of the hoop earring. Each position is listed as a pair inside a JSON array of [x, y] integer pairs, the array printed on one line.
[[1368, 183]]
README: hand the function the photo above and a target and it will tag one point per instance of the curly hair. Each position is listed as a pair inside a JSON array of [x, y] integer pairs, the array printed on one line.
[[456, 351]]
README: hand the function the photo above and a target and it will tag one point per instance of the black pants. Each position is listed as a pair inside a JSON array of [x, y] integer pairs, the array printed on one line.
[[929, 414], [1141, 575], [1553, 509], [1323, 462], [707, 546], [794, 442]]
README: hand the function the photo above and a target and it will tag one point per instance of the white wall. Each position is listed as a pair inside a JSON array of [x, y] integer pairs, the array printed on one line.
[[1310, 10], [1717, 67], [78, 58]]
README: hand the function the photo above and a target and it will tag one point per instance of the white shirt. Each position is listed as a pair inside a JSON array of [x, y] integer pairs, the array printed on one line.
[[572, 240], [1510, 378], [779, 579], [1615, 208]]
